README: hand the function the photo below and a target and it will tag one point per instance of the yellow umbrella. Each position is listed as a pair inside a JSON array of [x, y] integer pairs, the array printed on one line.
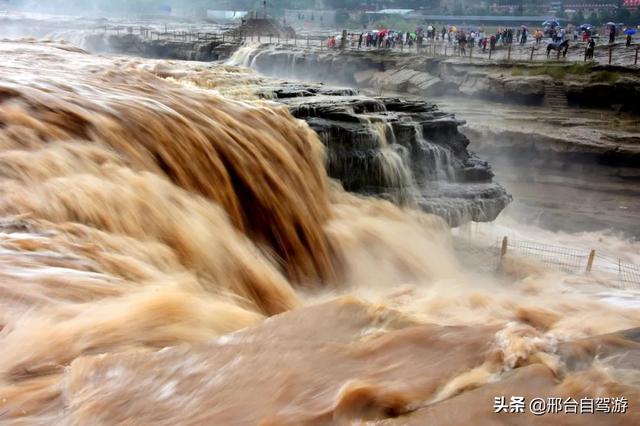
[[454, 29]]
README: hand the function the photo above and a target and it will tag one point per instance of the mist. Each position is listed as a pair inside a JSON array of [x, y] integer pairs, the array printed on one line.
[[113, 8]]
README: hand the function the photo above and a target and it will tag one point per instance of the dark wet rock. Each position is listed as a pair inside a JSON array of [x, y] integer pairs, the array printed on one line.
[[405, 151], [132, 44]]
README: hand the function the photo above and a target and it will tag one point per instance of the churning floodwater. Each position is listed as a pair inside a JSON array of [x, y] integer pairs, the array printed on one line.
[[172, 251]]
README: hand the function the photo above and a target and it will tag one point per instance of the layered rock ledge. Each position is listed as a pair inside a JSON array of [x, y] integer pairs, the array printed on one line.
[[186, 50], [407, 151], [587, 85]]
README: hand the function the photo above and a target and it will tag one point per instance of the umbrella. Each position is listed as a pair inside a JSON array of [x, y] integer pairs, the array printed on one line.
[[610, 23], [630, 31], [454, 29], [419, 29], [585, 27]]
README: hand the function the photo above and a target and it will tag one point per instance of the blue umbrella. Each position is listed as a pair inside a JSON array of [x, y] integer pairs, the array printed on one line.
[[586, 27], [630, 31], [551, 23]]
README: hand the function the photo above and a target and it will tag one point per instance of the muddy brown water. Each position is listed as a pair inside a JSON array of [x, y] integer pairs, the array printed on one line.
[[173, 255]]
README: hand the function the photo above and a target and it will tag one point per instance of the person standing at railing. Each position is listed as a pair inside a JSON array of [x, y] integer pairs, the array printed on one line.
[[462, 43], [538, 36], [612, 34], [591, 46], [360, 41]]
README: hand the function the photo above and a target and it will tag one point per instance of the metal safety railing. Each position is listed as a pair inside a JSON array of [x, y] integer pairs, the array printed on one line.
[[616, 53], [152, 33], [578, 261]]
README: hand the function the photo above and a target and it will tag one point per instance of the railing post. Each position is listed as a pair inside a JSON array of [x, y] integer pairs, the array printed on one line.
[[490, 50], [610, 51], [503, 249], [635, 61], [509, 52], [532, 50], [592, 256]]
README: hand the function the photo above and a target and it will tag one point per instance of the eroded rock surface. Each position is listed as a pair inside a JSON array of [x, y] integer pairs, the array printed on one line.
[[405, 151], [187, 50], [591, 85]]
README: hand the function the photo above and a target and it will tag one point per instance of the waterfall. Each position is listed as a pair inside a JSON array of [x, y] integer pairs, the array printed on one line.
[[394, 169], [245, 56], [440, 159]]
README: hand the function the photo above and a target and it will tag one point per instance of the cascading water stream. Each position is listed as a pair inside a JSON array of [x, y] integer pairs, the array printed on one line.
[[439, 158]]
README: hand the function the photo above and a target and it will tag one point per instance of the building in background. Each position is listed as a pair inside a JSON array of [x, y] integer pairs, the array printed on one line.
[[589, 6], [226, 15], [309, 17]]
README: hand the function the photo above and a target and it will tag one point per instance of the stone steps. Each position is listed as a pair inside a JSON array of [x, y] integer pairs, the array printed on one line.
[[555, 96]]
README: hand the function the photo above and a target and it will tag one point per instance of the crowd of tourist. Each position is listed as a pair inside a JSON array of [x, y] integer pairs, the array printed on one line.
[[462, 39], [458, 37]]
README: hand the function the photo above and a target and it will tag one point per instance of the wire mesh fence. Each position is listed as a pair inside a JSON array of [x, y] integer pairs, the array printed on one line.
[[576, 261]]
